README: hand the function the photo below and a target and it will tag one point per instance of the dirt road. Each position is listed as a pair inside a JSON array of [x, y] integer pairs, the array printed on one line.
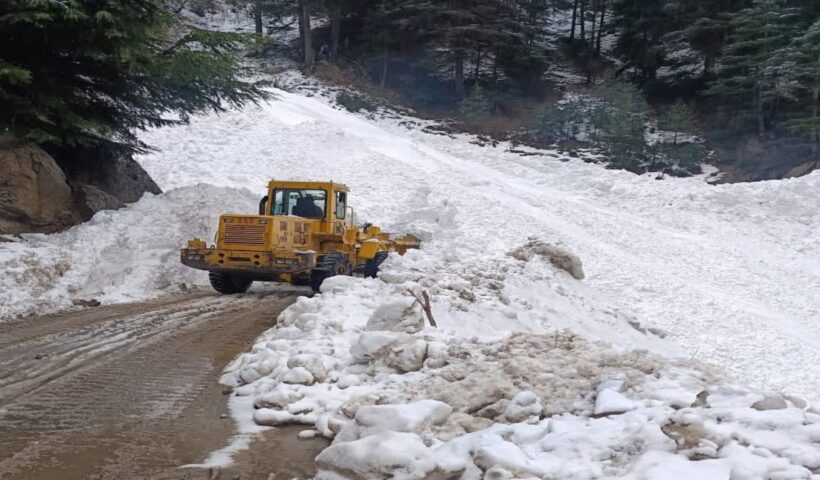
[[131, 391]]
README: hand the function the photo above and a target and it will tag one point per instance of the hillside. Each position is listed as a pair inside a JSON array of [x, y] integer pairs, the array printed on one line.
[[676, 271]]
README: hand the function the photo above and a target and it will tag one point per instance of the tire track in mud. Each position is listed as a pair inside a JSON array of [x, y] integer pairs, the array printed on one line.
[[128, 391]]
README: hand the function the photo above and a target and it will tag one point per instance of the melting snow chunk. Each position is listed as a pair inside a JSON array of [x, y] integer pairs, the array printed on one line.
[[611, 402]]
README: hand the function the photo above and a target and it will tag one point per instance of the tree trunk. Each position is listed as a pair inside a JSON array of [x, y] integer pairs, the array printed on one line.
[[574, 21], [477, 65], [592, 30], [600, 27], [308, 41], [458, 77], [383, 80], [583, 19], [257, 16], [495, 69], [815, 135], [335, 24], [761, 120]]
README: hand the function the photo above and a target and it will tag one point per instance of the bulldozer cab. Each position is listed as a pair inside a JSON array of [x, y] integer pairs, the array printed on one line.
[[322, 201]]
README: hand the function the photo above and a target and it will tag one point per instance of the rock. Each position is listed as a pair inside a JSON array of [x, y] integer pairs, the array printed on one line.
[[398, 316], [109, 170], [44, 193], [770, 402], [34, 193], [557, 256], [78, 302], [91, 200]]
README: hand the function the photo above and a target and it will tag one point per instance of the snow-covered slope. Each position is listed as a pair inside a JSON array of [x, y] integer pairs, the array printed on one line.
[[730, 272], [513, 383]]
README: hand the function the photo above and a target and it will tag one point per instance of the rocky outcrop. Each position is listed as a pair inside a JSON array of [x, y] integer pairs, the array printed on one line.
[[34, 193], [108, 170], [42, 192]]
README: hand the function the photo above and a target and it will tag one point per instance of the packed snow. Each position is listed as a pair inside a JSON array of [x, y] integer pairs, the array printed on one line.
[[573, 303]]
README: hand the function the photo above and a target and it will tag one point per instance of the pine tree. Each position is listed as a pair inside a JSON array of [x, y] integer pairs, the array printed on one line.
[[746, 76], [79, 72], [620, 126], [678, 118], [476, 105], [641, 26], [802, 60]]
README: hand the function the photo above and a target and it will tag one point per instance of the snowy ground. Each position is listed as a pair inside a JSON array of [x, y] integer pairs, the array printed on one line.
[[511, 384]]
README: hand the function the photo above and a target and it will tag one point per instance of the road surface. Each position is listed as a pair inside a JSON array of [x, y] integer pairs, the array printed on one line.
[[131, 391]]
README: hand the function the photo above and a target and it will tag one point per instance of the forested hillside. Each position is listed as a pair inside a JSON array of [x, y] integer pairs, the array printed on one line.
[[743, 73]]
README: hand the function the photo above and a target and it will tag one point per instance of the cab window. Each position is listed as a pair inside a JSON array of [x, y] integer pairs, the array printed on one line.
[[341, 205], [305, 203]]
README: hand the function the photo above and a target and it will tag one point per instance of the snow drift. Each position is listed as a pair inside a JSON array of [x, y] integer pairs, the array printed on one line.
[[128, 254]]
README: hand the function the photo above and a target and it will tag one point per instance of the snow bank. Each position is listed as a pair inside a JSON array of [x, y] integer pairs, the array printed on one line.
[[122, 255], [436, 404]]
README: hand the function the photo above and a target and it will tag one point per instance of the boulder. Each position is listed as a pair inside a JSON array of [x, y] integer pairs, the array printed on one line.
[[47, 191], [109, 170], [34, 193]]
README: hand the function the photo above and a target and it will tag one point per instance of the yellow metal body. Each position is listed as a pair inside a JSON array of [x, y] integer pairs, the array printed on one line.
[[284, 246]]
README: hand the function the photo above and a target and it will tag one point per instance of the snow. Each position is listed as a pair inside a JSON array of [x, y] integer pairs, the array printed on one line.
[[726, 271], [124, 255], [531, 372]]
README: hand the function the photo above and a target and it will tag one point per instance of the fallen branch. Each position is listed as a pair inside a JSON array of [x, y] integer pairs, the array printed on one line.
[[424, 303]]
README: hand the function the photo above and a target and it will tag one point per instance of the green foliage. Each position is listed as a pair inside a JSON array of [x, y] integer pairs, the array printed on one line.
[[683, 159], [562, 122], [78, 72], [748, 76], [677, 118], [354, 102], [620, 126], [476, 104]]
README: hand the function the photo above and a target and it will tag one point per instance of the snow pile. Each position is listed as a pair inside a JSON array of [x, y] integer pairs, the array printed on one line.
[[725, 271], [121, 255], [401, 401]]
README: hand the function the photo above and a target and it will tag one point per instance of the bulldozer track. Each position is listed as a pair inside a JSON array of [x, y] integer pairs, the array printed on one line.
[[126, 391]]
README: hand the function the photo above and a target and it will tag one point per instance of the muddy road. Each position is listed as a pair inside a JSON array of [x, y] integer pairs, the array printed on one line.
[[131, 391]]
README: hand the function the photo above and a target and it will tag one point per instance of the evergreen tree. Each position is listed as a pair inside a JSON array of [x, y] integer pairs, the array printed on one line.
[[621, 124], [641, 26], [80, 72], [746, 76], [802, 60], [678, 118], [476, 105]]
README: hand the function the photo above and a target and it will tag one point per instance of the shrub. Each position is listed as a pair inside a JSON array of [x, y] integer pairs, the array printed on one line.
[[355, 102]]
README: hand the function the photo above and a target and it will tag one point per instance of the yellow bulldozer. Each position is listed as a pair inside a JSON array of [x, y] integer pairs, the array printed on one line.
[[303, 234]]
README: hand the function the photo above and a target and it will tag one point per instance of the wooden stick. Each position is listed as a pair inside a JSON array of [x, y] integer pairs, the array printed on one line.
[[424, 302]]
